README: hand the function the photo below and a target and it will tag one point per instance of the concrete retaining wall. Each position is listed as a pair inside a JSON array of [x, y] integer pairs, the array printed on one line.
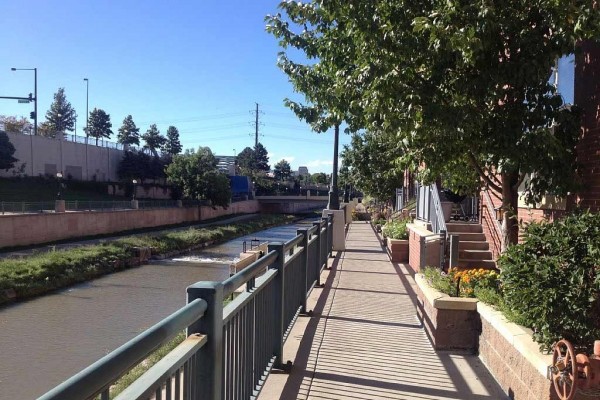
[[27, 229]]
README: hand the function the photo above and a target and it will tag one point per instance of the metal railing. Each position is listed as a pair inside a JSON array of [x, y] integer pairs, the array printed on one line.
[[157, 203], [92, 205], [429, 208], [229, 350], [24, 207]]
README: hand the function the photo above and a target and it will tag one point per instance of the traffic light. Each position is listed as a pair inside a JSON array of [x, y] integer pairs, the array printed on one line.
[[32, 115], [30, 96]]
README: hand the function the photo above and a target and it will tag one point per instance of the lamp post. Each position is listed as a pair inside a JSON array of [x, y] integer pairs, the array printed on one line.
[[134, 187], [87, 114], [59, 176], [334, 198], [35, 116]]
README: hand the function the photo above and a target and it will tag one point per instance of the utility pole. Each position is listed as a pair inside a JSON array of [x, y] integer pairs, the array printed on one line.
[[256, 127]]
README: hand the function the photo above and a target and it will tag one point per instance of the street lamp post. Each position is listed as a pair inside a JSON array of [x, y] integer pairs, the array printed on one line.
[[334, 198], [59, 176], [87, 98], [35, 114], [134, 187]]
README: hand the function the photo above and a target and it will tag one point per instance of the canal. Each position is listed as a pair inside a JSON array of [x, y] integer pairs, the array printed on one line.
[[48, 339]]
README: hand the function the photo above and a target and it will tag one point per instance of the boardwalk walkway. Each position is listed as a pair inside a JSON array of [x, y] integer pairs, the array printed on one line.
[[364, 340]]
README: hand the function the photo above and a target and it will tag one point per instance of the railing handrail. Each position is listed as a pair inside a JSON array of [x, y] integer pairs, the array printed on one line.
[[300, 259], [243, 276], [490, 204], [95, 378], [439, 212]]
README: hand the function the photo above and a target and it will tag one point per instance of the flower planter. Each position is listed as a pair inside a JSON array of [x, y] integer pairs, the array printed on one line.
[[398, 249], [452, 323]]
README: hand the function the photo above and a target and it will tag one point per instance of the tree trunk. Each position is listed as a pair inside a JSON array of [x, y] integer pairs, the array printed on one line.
[[510, 203]]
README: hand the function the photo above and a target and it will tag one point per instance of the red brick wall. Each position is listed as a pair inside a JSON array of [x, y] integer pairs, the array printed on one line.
[[587, 96], [416, 243], [488, 222]]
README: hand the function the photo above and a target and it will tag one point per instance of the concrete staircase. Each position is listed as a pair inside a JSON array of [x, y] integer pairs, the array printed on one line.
[[473, 249]]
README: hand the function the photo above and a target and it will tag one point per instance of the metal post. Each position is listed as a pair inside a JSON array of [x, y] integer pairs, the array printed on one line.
[[318, 261], [442, 249], [334, 198], [35, 119], [454, 241], [327, 238], [305, 266], [279, 298], [209, 363]]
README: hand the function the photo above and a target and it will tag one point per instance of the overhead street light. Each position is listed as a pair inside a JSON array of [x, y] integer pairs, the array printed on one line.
[[35, 114], [87, 98]]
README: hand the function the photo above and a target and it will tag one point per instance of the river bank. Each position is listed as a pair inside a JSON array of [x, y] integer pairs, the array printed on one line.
[[45, 272]]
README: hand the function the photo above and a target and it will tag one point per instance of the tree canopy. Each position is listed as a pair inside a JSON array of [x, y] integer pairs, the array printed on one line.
[[370, 164], [15, 125], [99, 125], [172, 145], [197, 175], [129, 133], [7, 161], [61, 115], [154, 140], [457, 83], [282, 170], [253, 162]]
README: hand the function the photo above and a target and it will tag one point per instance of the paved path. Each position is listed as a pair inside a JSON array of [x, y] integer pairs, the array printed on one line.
[[364, 340]]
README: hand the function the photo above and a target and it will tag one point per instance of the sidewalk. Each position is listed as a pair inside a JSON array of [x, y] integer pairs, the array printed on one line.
[[364, 340]]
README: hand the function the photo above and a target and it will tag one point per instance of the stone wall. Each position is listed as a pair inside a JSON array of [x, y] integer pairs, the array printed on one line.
[[27, 229]]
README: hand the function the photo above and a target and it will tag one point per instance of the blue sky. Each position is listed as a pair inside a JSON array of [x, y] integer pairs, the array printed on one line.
[[198, 65]]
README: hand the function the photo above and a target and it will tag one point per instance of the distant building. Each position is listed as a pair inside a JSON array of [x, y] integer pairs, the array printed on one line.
[[303, 171], [226, 164]]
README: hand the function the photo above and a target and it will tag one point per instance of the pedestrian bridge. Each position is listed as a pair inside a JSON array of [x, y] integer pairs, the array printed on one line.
[[311, 324]]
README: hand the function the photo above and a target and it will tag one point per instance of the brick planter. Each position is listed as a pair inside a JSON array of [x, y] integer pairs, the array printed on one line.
[[452, 323], [397, 249]]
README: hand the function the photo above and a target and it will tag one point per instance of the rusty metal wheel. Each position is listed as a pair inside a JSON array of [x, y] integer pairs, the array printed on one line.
[[564, 370]]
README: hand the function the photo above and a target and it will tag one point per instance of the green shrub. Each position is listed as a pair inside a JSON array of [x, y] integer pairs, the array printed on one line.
[[396, 229], [551, 281], [439, 281]]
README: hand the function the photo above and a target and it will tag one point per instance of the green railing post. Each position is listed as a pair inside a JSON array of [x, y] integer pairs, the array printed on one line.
[[279, 298], [319, 260], [209, 364], [327, 238], [305, 266]]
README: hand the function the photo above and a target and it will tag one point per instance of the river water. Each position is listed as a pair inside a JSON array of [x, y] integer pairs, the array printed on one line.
[[46, 340]]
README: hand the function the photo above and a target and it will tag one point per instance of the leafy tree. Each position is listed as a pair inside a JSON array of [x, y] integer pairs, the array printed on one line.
[[197, 175], [457, 83], [15, 125], [99, 125], [7, 161], [371, 165], [154, 140], [319, 177], [129, 133], [44, 129], [245, 161], [172, 145], [261, 158], [61, 116], [141, 166], [282, 170]]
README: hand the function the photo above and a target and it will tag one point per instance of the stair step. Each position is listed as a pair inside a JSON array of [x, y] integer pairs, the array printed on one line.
[[458, 227], [470, 264], [470, 237], [465, 245], [474, 255]]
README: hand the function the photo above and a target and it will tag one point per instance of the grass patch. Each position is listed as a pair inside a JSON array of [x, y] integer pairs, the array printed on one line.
[[44, 272]]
